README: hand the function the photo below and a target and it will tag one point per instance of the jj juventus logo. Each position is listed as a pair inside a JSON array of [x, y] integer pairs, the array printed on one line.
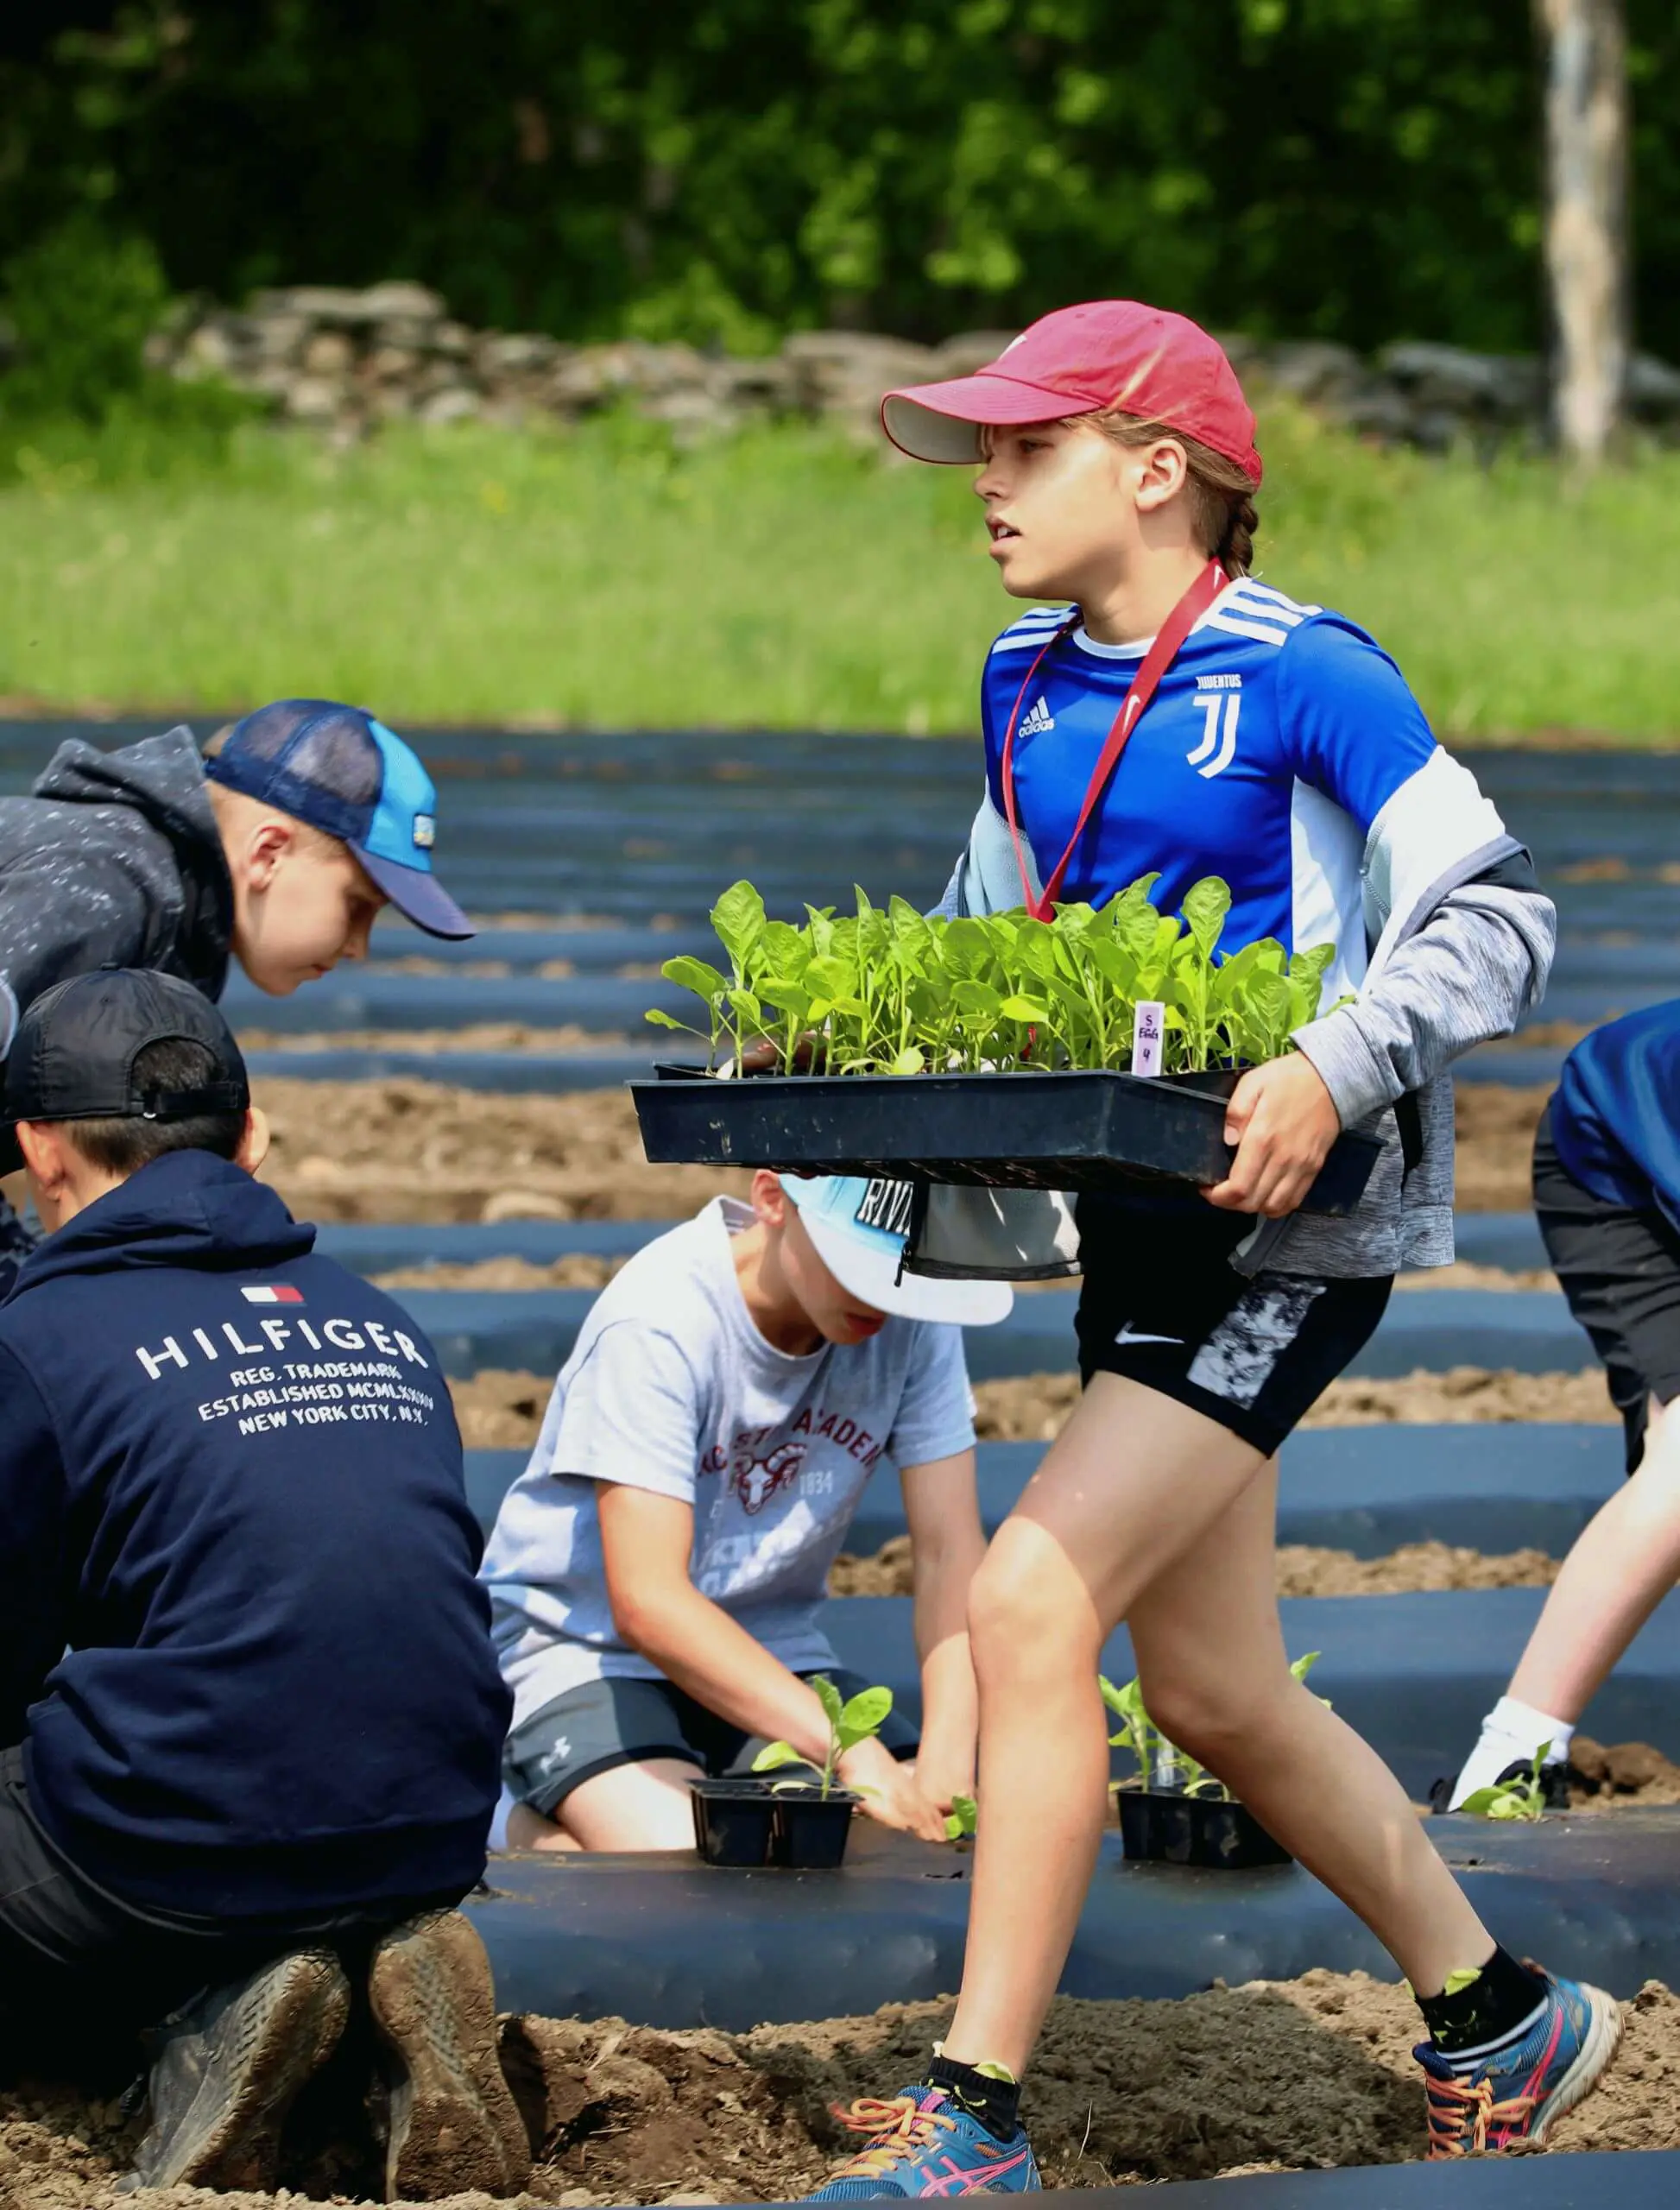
[[1220, 698], [886, 1206]]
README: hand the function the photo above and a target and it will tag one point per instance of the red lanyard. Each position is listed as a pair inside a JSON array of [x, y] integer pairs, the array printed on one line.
[[1156, 661]]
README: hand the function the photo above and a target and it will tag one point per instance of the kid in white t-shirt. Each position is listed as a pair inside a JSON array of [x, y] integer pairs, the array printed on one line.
[[658, 1571]]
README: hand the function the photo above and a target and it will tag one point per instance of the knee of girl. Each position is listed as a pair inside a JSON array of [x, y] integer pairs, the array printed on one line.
[[1207, 1716], [1018, 1626]]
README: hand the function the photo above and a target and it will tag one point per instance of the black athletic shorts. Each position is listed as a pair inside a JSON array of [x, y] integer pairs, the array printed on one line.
[[603, 1724], [1620, 1271], [1162, 1305]]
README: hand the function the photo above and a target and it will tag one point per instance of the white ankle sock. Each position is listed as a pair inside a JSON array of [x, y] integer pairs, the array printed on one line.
[[1512, 1730]]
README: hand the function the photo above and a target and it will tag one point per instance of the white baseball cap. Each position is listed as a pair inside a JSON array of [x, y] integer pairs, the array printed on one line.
[[859, 1226]]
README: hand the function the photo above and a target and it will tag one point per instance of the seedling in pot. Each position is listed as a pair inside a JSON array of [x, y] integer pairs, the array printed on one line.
[[896, 992], [1161, 1764], [850, 1722], [1523, 1797]]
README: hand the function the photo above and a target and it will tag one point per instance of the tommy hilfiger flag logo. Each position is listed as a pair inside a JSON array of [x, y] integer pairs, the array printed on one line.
[[1039, 718], [273, 1292]]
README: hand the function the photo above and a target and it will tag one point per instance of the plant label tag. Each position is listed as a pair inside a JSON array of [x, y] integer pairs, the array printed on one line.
[[1148, 1026]]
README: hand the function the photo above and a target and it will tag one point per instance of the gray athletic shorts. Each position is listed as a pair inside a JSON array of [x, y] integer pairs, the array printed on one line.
[[590, 1729]]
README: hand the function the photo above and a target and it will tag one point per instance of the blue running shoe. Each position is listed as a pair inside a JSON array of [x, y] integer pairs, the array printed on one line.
[[1512, 2096], [921, 2142]]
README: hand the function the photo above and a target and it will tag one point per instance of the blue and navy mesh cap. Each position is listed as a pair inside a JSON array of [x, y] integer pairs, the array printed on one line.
[[350, 777]]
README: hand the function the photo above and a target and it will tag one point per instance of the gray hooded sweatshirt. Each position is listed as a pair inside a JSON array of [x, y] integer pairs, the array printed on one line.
[[113, 859]]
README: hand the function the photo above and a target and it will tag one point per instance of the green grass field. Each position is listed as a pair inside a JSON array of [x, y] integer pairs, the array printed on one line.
[[597, 577]]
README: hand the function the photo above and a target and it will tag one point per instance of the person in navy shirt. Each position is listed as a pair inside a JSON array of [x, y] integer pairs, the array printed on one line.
[[250, 1719], [1607, 1194], [1160, 711]]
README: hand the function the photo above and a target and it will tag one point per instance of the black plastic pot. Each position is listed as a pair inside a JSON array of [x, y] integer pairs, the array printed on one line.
[[734, 1821], [1032, 1130], [1195, 1830], [810, 1832]]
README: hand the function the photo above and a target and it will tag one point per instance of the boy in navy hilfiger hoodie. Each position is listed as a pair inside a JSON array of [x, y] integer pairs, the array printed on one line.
[[250, 1718]]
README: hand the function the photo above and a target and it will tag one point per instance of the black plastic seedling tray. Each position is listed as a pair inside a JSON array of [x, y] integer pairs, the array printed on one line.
[[1029, 1130], [1204, 1830], [734, 1821]]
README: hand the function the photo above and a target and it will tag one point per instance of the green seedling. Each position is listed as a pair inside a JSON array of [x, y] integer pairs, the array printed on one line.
[[893, 992], [960, 1819], [848, 1724], [1525, 1797], [1161, 1764]]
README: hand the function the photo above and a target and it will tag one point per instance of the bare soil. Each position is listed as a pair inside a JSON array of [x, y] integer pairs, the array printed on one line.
[[1303, 1569], [501, 1410], [577, 1270], [1285, 2075], [1495, 1123], [392, 1150], [404, 1151], [1033, 1407], [1464, 1273], [475, 1036]]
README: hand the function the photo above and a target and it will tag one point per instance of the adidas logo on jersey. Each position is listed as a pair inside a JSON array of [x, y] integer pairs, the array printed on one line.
[[1039, 718]]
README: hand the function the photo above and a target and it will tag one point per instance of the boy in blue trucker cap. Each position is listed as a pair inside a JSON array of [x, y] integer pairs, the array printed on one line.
[[355, 781], [277, 847]]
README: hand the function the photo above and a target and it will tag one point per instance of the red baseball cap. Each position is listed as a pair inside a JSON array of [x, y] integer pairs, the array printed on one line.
[[1108, 353]]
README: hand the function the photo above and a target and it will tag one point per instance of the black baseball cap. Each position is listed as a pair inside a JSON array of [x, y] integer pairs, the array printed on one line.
[[348, 775], [73, 1056]]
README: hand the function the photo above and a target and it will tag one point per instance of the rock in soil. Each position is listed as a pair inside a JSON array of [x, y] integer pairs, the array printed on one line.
[[1286, 2076], [1303, 1571]]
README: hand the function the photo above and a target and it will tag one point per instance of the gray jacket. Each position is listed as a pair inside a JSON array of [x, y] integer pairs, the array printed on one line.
[[1461, 940], [113, 859]]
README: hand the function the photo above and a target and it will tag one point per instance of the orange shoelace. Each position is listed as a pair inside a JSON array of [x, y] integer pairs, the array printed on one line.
[[901, 2124], [1464, 2131]]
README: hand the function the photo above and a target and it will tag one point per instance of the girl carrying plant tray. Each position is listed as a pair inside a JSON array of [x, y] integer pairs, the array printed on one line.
[[1166, 713]]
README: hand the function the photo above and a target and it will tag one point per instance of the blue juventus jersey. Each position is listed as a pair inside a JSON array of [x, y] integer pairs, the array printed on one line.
[[1274, 741]]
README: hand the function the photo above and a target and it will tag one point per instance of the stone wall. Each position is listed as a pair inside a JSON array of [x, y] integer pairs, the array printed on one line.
[[345, 361]]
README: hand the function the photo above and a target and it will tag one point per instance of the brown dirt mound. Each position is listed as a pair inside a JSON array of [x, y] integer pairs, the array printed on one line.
[[501, 1411], [1465, 1393], [1306, 1570], [1625, 1772], [1303, 1571], [577, 1270], [1299, 2075], [1464, 1273], [401, 1151], [1495, 1145]]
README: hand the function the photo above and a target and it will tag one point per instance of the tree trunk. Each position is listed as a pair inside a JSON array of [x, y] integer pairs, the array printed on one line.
[[1585, 46]]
